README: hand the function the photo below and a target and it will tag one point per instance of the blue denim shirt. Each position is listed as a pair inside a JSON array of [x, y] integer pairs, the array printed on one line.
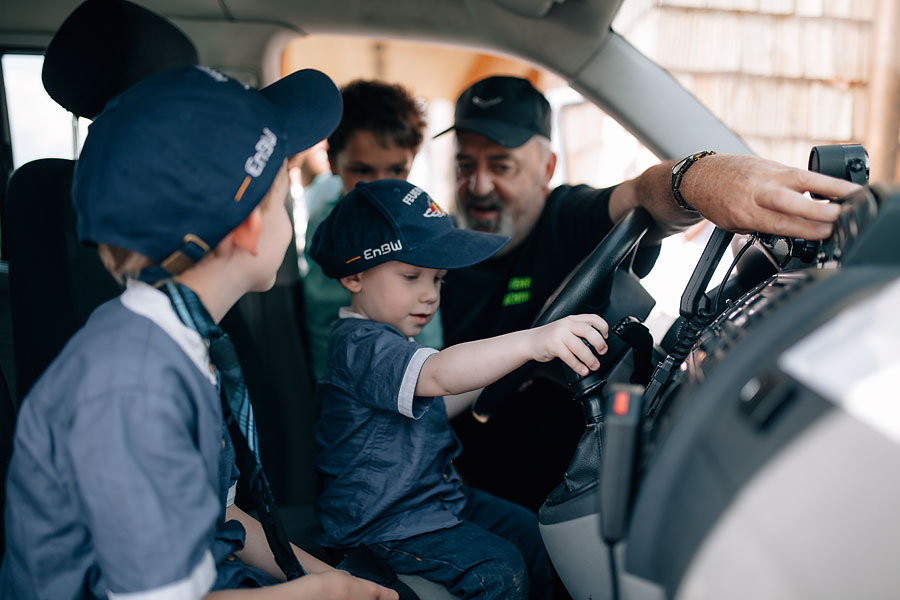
[[121, 472], [385, 454]]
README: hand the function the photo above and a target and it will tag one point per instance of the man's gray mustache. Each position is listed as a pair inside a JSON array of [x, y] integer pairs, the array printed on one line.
[[484, 203]]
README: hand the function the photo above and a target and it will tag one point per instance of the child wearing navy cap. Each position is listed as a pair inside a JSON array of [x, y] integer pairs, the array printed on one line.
[[386, 447], [122, 479]]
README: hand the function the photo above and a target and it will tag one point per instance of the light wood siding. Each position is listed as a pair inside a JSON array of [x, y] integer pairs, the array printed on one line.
[[784, 74]]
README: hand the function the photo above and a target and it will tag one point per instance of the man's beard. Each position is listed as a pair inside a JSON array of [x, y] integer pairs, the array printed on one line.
[[502, 225]]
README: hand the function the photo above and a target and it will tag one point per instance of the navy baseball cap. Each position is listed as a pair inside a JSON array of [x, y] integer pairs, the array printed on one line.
[[176, 162], [507, 110], [391, 219]]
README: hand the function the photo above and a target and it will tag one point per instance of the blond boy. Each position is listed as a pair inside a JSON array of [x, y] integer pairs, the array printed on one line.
[[122, 479]]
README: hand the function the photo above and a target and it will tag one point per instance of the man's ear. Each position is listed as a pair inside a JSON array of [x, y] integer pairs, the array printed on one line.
[[352, 282], [549, 170], [246, 235]]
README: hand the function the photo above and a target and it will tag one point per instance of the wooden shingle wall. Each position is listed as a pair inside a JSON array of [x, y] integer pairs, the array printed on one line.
[[784, 74]]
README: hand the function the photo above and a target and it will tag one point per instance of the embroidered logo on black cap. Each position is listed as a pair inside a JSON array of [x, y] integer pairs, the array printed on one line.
[[220, 77], [482, 103]]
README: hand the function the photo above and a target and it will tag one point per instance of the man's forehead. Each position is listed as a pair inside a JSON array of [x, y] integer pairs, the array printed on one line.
[[469, 144], [498, 154]]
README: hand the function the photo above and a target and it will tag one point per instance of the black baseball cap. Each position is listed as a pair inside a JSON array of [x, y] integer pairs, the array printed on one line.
[[175, 163], [507, 110], [391, 219]]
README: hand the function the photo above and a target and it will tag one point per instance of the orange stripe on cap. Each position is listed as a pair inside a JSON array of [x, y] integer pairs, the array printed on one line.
[[242, 189], [352, 259]]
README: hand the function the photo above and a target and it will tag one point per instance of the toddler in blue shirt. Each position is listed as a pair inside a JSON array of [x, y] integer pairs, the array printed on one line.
[[386, 447]]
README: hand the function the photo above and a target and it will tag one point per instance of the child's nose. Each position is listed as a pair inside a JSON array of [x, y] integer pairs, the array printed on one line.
[[429, 294]]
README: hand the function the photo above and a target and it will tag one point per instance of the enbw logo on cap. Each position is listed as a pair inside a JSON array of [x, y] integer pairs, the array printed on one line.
[[264, 148]]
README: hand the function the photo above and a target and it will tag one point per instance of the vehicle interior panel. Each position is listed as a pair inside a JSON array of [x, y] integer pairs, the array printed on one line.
[[731, 473], [745, 435], [734, 409]]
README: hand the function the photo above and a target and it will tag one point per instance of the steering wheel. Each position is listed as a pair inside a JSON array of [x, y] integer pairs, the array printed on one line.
[[591, 280]]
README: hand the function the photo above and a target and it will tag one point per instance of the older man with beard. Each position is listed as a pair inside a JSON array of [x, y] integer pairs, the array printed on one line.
[[504, 165]]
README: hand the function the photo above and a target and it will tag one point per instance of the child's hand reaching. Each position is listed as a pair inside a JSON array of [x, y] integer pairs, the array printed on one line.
[[564, 339], [472, 365]]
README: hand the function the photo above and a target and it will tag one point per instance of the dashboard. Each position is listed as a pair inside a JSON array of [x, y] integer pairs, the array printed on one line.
[[761, 459], [779, 427]]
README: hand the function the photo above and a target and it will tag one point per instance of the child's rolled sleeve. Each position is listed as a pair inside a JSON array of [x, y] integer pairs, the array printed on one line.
[[386, 368]]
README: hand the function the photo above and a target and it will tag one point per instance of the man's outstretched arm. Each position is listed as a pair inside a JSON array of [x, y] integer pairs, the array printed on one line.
[[737, 193]]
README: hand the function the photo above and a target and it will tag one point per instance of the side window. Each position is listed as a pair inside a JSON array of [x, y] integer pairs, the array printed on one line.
[[595, 149], [38, 126]]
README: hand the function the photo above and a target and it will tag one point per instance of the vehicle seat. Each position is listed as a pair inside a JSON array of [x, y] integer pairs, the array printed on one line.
[[55, 282], [7, 424], [7, 355], [269, 337]]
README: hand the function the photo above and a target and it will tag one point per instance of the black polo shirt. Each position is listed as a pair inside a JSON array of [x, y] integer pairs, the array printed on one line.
[[506, 293], [522, 452]]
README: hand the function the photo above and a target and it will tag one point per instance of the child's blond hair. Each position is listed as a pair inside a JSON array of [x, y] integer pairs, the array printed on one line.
[[123, 263]]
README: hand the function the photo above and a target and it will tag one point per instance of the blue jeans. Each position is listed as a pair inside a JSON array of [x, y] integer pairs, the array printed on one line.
[[496, 552]]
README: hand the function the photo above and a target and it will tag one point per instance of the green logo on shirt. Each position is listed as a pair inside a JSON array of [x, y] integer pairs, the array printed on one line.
[[519, 291]]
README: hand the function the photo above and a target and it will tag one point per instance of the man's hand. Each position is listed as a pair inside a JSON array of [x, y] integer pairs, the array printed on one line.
[[738, 193], [564, 339], [746, 193]]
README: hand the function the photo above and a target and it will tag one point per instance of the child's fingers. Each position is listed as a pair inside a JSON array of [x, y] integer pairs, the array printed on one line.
[[594, 321], [593, 337], [579, 358], [573, 362], [591, 329], [572, 335]]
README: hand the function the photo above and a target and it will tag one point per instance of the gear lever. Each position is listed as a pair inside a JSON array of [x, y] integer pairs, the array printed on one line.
[[629, 333]]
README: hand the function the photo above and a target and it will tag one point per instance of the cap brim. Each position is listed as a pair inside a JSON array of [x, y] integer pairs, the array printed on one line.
[[456, 249], [310, 104], [505, 134]]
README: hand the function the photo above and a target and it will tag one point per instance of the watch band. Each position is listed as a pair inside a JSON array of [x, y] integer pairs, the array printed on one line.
[[678, 172]]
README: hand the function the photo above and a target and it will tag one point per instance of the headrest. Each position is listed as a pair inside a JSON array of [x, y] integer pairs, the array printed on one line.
[[104, 47]]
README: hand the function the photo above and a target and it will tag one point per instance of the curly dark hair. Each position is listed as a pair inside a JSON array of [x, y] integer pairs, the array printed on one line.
[[389, 111]]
